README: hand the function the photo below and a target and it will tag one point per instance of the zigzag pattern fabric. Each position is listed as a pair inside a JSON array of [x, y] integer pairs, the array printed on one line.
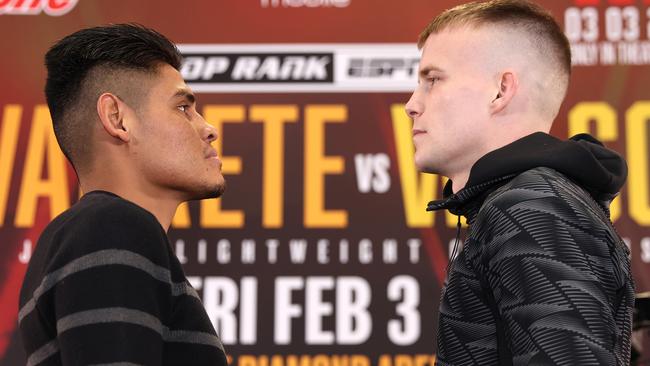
[[543, 279]]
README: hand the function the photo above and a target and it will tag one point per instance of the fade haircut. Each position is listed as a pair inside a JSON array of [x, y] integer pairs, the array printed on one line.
[[528, 19], [89, 62], [528, 16]]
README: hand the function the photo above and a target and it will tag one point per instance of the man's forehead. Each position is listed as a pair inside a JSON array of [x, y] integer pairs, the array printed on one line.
[[169, 81]]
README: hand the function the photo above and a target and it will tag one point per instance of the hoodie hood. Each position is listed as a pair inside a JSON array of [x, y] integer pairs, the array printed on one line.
[[582, 158]]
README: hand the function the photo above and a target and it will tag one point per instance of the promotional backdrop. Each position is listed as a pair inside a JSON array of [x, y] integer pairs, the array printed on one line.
[[320, 253]]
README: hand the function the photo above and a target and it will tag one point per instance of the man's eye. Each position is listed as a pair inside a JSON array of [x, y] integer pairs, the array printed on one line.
[[183, 108]]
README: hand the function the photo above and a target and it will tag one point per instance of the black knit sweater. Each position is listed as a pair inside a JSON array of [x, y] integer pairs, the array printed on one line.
[[104, 287]]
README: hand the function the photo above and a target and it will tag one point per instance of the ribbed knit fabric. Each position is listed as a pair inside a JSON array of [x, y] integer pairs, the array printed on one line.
[[104, 287]]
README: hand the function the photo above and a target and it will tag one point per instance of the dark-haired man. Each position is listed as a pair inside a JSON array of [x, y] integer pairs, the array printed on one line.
[[103, 286], [543, 277]]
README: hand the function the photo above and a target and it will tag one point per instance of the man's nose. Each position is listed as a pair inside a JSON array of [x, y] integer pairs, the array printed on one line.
[[209, 131], [413, 106]]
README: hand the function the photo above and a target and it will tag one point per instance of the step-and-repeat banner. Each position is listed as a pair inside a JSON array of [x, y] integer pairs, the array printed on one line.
[[320, 253]]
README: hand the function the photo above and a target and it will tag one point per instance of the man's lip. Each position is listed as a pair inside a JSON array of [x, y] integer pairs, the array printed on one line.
[[417, 132], [212, 154]]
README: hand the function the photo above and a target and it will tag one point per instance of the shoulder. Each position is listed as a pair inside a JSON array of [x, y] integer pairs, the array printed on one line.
[[101, 206], [102, 222], [99, 231], [542, 212], [547, 191]]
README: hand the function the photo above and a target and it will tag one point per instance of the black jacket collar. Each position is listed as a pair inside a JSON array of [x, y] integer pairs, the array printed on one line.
[[602, 172]]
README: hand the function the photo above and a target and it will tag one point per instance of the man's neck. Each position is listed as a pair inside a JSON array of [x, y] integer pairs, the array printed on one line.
[[459, 181], [160, 204]]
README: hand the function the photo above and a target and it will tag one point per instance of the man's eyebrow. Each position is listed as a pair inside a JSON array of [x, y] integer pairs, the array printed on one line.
[[424, 71], [183, 93]]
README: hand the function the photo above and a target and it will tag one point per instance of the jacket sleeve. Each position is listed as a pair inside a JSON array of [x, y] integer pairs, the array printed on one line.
[[552, 268]]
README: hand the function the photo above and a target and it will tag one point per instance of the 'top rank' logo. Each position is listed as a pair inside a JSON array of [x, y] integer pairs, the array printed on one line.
[[35, 7]]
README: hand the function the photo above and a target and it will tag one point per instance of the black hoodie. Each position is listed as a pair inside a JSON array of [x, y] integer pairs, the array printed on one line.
[[543, 277]]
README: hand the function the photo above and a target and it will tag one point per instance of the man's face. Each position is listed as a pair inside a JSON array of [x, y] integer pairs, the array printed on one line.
[[450, 106], [171, 141]]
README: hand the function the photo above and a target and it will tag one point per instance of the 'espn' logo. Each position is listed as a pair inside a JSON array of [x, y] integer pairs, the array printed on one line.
[[34, 7]]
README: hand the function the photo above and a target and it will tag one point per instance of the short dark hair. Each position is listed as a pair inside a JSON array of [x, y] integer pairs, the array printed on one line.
[[116, 48], [527, 15]]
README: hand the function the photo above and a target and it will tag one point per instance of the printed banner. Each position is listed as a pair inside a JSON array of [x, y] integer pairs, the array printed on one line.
[[320, 253]]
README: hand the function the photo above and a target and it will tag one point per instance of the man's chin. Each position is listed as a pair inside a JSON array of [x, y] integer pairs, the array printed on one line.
[[217, 190], [425, 166], [213, 191]]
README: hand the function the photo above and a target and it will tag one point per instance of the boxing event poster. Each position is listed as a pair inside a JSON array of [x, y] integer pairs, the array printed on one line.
[[320, 253]]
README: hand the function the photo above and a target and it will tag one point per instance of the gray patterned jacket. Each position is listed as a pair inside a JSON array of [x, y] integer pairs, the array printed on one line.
[[543, 277]]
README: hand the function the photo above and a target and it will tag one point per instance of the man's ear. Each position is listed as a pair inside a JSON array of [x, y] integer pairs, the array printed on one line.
[[111, 110], [508, 84]]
